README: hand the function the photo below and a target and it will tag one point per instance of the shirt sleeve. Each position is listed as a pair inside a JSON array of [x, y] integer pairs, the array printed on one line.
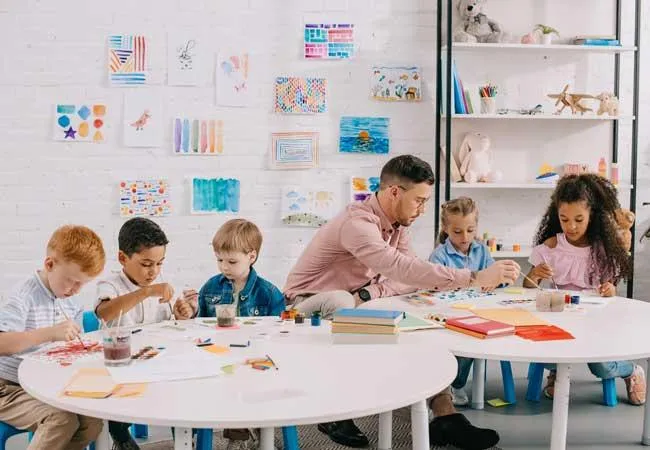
[[488, 260], [437, 257], [202, 309], [361, 237], [105, 291], [13, 313], [536, 258]]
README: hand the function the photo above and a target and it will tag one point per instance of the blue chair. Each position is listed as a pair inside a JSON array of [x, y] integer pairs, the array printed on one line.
[[508, 382], [30, 436], [7, 431]]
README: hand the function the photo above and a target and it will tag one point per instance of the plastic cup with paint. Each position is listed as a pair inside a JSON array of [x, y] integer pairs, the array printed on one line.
[[226, 315], [117, 347]]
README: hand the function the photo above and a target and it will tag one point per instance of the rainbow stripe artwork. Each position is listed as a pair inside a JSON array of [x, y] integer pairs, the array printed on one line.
[[127, 60], [197, 136]]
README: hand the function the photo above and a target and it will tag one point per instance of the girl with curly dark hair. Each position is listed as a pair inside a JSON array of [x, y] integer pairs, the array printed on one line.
[[578, 248]]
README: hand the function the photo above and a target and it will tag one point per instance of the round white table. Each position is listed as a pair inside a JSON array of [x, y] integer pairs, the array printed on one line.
[[316, 382], [613, 332]]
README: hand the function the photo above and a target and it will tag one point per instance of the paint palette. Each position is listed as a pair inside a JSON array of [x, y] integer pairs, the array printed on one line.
[[145, 353], [458, 295]]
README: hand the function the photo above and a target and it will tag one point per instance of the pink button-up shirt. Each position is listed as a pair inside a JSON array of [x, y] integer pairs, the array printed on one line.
[[361, 247]]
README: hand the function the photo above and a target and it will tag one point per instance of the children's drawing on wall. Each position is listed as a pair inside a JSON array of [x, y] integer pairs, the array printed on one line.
[[294, 150], [329, 41], [232, 79], [144, 198], [79, 123], [127, 60], [307, 207], [401, 84], [142, 120], [197, 136], [363, 187], [364, 135], [300, 95], [214, 195], [187, 60]]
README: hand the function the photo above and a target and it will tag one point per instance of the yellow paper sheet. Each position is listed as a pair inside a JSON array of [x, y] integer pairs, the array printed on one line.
[[511, 316], [129, 390], [216, 349], [466, 306], [514, 290], [96, 382], [497, 402]]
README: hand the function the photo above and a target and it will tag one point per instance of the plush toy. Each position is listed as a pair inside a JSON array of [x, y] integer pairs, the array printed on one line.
[[475, 26], [476, 159], [624, 220], [608, 104]]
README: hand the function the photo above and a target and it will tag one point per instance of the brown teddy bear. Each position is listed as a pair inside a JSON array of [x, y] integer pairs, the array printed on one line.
[[624, 220]]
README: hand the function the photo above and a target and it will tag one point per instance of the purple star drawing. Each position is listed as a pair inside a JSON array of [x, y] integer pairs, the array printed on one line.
[[70, 133]]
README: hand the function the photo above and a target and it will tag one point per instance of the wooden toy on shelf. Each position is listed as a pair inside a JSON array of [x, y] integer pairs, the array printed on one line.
[[573, 101]]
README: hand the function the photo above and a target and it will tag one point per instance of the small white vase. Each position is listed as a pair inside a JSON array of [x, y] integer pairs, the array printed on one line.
[[547, 39]]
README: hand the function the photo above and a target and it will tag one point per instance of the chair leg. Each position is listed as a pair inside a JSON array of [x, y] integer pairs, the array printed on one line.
[[609, 392], [203, 439], [508, 382], [535, 379], [290, 438]]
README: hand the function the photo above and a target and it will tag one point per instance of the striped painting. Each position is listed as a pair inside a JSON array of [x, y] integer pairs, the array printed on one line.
[[127, 60], [197, 136]]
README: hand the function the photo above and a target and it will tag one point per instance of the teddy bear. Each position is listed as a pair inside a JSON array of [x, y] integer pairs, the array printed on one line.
[[475, 159], [475, 26], [624, 219], [608, 104]]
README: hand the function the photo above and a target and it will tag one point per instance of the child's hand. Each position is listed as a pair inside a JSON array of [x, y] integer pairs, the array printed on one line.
[[183, 310], [65, 331], [607, 290], [541, 272], [164, 291], [191, 296]]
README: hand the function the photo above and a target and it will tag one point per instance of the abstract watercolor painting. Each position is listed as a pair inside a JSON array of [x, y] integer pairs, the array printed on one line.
[[300, 95], [232, 79], [143, 121], [363, 187], [197, 136], [400, 84], [188, 60], [79, 123], [329, 41], [294, 150], [144, 198], [307, 207], [364, 135], [127, 60], [214, 195]]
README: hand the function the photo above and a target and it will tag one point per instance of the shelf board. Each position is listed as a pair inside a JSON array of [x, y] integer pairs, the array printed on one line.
[[467, 46], [537, 117], [523, 253], [549, 186]]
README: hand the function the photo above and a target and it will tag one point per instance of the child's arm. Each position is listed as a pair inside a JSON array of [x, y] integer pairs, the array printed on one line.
[[17, 341], [186, 307], [109, 309]]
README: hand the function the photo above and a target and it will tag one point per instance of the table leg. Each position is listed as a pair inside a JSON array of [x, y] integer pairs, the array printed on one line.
[[645, 438], [560, 407], [478, 384], [420, 426], [182, 438], [103, 441], [385, 437], [267, 437]]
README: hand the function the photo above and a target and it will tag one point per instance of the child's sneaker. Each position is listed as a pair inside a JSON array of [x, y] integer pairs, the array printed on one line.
[[549, 389], [459, 397], [240, 439], [635, 385], [128, 444]]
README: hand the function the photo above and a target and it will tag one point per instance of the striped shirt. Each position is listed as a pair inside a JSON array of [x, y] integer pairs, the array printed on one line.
[[29, 306]]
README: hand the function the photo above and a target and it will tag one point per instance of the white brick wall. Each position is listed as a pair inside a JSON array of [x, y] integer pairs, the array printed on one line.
[[56, 52]]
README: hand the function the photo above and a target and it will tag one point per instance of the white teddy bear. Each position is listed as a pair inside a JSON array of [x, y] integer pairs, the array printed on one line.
[[475, 26], [475, 159]]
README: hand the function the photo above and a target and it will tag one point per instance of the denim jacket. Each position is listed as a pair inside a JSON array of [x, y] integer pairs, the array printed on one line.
[[258, 298]]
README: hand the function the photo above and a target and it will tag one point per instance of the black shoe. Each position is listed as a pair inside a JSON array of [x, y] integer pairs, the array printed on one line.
[[128, 444], [344, 433], [456, 430]]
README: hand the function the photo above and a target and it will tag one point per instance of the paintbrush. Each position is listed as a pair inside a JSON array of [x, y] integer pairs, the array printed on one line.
[[68, 318], [552, 279], [534, 284], [173, 316], [272, 362]]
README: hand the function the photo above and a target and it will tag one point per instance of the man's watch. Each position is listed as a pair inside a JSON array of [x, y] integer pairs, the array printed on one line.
[[364, 295]]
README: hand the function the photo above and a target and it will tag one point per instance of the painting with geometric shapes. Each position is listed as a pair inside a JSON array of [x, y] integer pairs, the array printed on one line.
[[143, 119], [144, 198], [307, 207], [294, 150], [398, 84], [214, 195], [79, 123], [295, 95], [232, 79], [127, 60], [202, 137], [363, 187], [329, 41], [364, 135]]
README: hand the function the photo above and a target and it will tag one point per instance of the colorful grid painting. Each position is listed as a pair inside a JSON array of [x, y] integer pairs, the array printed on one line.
[[300, 95], [198, 136], [294, 150], [363, 187], [144, 198], [214, 195], [329, 41], [401, 84], [127, 60], [364, 135], [79, 123]]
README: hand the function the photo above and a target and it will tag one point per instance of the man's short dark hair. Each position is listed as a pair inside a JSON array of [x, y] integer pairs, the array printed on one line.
[[406, 169], [139, 234]]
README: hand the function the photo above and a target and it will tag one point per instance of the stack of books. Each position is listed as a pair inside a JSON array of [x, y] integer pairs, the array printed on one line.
[[358, 326], [602, 40], [480, 328]]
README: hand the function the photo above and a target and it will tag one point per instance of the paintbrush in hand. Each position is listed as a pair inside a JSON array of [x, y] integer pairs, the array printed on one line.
[[68, 318]]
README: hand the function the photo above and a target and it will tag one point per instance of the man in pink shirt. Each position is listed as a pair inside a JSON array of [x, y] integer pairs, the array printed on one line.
[[362, 254]]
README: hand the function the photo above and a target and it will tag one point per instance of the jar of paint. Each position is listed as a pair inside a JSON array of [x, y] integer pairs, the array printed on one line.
[[557, 301], [543, 301], [315, 319]]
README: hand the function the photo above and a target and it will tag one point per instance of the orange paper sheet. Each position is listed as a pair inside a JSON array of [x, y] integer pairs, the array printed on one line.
[[216, 349], [543, 333], [511, 316], [96, 382]]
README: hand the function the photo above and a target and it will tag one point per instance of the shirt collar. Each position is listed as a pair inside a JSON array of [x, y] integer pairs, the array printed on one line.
[[127, 282], [386, 225], [451, 250], [47, 291], [252, 279]]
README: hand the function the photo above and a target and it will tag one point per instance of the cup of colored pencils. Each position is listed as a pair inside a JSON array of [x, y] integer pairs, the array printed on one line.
[[488, 95]]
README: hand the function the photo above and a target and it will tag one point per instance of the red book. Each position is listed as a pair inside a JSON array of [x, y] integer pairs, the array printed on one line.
[[477, 325]]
